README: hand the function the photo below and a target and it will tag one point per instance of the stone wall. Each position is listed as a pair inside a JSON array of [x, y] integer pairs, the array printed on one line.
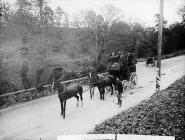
[[18, 97]]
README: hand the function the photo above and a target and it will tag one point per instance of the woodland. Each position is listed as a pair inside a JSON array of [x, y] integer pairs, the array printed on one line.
[[34, 38]]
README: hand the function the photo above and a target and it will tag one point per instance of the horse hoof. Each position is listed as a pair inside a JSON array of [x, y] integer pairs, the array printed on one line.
[[120, 104], [117, 103]]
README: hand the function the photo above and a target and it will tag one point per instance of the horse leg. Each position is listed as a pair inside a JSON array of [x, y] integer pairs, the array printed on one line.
[[90, 92], [119, 102], [81, 97], [76, 96], [100, 93], [64, 109], [99, 88], [111, 89], [93, 92], [103, 93], [119, 96], [61, 103]]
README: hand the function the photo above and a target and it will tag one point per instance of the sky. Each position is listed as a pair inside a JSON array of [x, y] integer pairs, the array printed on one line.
[[133, 10]]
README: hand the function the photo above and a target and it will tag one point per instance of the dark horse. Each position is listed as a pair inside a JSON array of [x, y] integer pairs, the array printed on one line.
[[68, 92], [102, 82], [94, 82]]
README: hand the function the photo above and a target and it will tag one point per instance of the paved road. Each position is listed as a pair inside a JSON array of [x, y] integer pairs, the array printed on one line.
[[41, 118]]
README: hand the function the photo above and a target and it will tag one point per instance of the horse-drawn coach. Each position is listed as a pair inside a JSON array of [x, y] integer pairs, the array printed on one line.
[[151, 60], [121, 74], [124, 67]]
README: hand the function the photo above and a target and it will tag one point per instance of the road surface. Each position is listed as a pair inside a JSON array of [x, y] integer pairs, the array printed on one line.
[[41, 118]]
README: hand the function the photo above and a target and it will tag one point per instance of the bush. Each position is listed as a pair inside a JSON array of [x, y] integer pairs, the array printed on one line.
[[178, 53], [70, 76], [6, 87], [101, 68]]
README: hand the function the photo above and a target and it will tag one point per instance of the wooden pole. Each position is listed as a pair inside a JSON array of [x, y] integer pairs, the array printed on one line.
[[1, 13], [158, 78]]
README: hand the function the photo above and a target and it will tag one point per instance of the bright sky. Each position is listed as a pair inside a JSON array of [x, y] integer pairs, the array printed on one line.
[[133, 10]]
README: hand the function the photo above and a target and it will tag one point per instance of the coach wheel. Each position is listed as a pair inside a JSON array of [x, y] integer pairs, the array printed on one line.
[[133, 80]]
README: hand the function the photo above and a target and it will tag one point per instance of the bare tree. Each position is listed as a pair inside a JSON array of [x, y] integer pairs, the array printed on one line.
[[89, 22], [182, 11], [157, 16], [66, 20], [76, 23], [110, 14], [48, 16], [40, 4], [59, 13]]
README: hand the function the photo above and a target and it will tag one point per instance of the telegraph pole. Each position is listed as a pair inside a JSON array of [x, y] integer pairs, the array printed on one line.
[[1, 13], [158, 78]]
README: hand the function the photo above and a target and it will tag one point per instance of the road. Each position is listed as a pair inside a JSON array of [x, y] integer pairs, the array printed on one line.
[[41, 118]]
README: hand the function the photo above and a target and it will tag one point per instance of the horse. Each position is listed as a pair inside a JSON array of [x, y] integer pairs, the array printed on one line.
[[65, 93], [109, 80], [105, 81], [94, 82]]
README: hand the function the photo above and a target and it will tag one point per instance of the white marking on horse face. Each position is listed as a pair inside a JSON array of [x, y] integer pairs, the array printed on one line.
[[52, 87], [90, 74]]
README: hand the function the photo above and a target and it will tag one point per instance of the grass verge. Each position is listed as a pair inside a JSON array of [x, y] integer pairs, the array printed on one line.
[[163, 114]]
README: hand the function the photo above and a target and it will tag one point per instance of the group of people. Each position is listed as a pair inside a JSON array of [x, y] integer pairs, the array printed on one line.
[[121, 64]]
